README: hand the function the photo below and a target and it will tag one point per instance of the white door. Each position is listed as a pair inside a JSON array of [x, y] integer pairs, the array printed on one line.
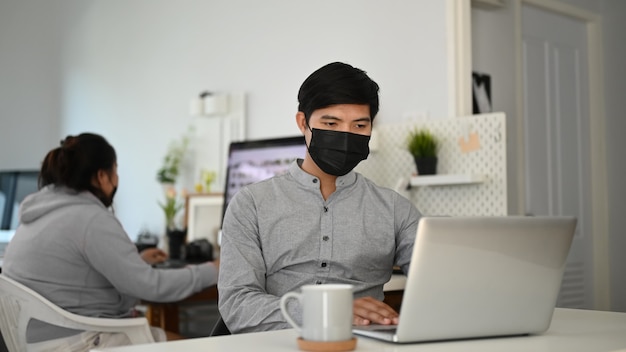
[[557, 135]]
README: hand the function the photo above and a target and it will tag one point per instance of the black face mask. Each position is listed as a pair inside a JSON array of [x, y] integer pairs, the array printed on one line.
[[110, 200], [337, 153], [107, 201]]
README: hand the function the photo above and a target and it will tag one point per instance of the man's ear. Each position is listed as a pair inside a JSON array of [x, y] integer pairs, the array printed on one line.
[[301, 121]]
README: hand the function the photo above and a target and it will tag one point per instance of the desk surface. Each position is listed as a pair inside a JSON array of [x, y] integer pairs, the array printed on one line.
[[166, 315], [571, 330]]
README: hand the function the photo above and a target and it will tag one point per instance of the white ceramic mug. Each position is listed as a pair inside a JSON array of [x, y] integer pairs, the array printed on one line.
[[326, 312]]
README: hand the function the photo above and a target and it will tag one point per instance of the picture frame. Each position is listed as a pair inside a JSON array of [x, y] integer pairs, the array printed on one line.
[[481, 93], [203, 217]]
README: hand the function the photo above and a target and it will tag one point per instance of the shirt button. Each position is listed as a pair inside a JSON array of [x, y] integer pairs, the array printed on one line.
[[323, 265], [325, 238], [314, 180], [318, 282]]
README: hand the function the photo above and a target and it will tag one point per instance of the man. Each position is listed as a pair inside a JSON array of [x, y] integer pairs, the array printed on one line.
[[320, 222]]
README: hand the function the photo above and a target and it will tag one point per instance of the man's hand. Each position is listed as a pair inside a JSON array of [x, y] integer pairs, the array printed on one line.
[[153, 255], [368, 310]]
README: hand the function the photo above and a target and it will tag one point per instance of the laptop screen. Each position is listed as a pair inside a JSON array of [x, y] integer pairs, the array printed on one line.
[[256, 160]]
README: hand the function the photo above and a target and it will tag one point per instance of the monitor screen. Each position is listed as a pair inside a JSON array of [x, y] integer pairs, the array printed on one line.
[[14, 187], [257, 160]]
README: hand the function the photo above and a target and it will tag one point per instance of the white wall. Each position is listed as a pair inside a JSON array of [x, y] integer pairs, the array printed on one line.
[[127, 69], [493, 52], [30, 48]]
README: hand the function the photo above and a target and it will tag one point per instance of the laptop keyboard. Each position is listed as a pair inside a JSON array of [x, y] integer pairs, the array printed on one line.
[[171, 264], [377, 327]]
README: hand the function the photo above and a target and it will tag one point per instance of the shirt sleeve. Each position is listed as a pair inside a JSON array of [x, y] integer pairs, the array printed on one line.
[[406, 218], [244, 303], [112, 254]]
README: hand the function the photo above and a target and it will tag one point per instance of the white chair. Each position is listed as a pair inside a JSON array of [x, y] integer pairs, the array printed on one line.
[[19, 304]]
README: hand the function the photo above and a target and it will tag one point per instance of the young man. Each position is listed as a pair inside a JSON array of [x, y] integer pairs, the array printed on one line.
[[321, 222]]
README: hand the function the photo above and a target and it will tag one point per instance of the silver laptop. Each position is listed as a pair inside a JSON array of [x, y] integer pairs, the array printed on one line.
[[476, 277]]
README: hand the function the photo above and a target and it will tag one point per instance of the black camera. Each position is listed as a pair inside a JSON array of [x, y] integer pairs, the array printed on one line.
[[199, 251]]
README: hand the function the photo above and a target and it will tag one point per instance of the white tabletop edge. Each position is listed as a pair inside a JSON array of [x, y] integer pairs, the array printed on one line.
[[571, 330]]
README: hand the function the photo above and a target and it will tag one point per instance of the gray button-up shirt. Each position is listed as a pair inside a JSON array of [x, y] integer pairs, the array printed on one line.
[[280, 234]]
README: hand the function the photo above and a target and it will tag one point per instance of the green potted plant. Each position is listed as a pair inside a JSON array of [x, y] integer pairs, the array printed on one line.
[[423, 146], [169, 171], [171, 207], [167, 175], [176, 235]]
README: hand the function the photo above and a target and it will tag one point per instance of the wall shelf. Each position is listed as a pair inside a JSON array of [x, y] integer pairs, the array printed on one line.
[[447, 180], [469, 183]]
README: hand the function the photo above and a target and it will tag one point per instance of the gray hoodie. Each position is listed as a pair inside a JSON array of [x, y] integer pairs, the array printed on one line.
[[73, 251]]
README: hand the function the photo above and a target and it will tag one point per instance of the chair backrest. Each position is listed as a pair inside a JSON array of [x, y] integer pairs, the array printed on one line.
[[19, 304]]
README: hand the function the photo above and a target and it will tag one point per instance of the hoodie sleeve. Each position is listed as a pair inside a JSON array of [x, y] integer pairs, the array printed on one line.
[[111, 253]]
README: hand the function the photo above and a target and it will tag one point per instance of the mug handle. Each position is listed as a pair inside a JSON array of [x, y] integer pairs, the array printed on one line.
[[283, 308]]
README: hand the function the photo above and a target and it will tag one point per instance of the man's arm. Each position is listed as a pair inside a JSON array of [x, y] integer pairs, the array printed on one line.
[[368, 310], [406, 219], [244, 303]]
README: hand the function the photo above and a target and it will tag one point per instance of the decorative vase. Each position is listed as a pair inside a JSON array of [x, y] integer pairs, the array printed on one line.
[[176, 239], [426, 165]]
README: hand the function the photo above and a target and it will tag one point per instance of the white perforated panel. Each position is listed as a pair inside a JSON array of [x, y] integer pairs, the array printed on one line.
[[391, 164]]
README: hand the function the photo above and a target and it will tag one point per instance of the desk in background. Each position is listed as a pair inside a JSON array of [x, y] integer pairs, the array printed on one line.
[[167, 315], [572, 330]]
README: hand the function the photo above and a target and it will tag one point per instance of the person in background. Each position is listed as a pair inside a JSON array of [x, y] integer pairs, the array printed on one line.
[[320, 222], [71, 249]]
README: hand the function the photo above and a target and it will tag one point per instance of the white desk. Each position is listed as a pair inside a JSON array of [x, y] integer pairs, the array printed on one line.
[[571, 330]]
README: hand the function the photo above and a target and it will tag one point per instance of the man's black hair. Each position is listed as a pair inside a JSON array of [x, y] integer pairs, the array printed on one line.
[[337, 83]]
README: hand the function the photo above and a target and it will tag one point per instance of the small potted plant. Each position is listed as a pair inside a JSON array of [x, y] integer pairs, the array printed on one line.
[[169, 171], [167, 175], [423, 146], [176, 236], [171, 207], [206, 179]]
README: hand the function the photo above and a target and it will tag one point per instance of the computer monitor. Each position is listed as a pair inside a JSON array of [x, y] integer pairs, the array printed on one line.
[[14, 187], [256, 160]]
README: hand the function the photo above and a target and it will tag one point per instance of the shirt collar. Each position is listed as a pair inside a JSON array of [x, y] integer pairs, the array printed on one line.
[[311, 181]]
